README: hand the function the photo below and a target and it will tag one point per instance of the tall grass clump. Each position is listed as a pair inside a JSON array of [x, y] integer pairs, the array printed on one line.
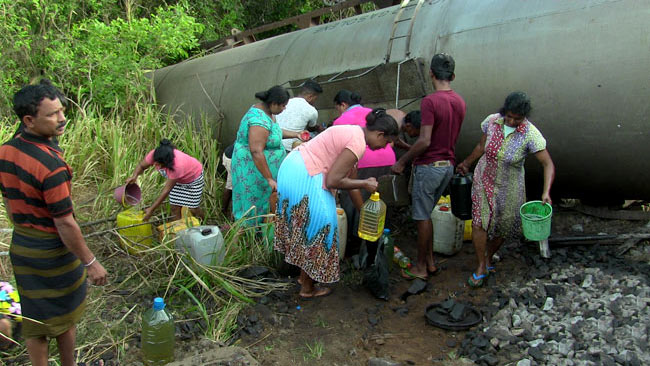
[[103, 150]]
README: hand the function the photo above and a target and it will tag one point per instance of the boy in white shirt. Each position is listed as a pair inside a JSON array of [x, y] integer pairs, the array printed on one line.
[[300, 113]]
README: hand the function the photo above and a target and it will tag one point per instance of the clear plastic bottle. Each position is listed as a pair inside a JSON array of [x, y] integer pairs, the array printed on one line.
[[400, 258], [157, 335], [389, 250], [371, 220]]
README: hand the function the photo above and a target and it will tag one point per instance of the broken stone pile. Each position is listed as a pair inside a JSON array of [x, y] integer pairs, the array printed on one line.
[[584, 306]]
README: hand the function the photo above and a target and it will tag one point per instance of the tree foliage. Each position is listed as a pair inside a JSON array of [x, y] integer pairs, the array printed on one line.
[[106, 61], [98, 51]]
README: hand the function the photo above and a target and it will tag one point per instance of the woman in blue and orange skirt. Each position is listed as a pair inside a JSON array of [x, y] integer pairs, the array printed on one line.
[[306, 223]]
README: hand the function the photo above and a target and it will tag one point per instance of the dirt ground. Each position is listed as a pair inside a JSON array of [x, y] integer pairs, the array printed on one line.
[[351, 326], [342, 323]]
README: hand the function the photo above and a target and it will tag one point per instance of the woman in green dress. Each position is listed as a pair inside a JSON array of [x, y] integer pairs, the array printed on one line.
[[257, 155]]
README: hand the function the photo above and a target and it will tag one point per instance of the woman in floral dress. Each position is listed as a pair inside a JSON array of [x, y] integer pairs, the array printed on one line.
[[257, 155], [499, 188]]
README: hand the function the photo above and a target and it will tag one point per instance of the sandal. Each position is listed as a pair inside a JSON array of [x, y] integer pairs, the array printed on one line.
[[491, 270], [411, 276], [476, 281]]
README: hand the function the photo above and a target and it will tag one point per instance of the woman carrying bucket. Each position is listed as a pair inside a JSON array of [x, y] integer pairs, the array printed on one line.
[[498, 190], [184, 175]]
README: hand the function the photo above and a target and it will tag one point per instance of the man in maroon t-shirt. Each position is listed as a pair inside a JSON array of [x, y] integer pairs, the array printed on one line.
[[433, 157]]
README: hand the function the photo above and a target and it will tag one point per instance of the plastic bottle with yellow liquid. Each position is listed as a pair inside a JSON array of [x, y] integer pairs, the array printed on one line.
[[373, 216], [157, 335]]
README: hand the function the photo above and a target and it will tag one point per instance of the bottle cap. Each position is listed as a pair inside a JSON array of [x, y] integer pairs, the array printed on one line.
[[375, 196], [158, 303], [386, 231]]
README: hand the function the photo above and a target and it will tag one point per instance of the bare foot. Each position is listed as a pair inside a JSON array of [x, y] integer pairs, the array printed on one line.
[[432, 269], [318, 292], [300, 281]]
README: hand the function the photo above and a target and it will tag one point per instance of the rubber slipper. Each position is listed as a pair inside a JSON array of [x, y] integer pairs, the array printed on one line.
[[476, 281], [324, 291], [411, 276], [491, 270]]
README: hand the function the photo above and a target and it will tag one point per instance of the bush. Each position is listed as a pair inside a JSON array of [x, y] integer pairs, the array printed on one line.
[[100, 62]]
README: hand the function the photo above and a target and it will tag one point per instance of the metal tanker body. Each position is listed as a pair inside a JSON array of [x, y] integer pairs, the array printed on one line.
[[584, 63]]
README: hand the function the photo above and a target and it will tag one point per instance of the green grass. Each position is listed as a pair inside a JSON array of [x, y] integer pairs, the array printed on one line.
[[320, 322], [103, 150], [314, 351]]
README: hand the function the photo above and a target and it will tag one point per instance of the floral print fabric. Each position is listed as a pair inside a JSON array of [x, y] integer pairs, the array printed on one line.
[[250, 188], [499, 188], [306, 229], [9, 301]]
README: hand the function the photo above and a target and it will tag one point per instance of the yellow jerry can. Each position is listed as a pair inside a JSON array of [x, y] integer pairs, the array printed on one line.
[[172, 228], [137, 238]]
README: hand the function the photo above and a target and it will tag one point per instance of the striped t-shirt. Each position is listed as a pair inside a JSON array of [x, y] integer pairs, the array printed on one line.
[[35, 181]]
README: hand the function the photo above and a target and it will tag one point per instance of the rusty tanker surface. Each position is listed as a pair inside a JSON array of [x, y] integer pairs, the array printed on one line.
[[585, 64]]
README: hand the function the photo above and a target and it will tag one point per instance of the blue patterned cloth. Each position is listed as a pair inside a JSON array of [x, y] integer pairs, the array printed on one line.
[[306, 228]]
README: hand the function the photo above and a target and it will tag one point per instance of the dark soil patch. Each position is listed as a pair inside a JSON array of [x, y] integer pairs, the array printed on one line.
[[350, 326]]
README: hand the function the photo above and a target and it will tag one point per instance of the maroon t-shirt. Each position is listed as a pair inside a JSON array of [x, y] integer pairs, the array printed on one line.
[[445, 111]]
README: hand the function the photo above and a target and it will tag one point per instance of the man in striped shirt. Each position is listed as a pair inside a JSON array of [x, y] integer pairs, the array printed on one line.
[[48, 253]]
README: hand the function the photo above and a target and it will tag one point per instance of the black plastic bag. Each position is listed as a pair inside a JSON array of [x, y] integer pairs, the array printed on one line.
[[375, 278]]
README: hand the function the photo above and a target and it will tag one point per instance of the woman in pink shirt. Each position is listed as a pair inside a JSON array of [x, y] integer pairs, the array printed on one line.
[[374, 163], [306, 226], [184, 175]]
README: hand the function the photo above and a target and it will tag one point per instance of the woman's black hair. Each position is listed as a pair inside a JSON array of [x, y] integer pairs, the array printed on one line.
[[518, 103], [164, 154], [276, 94], [379, 120], [414, 118], [347, 97]]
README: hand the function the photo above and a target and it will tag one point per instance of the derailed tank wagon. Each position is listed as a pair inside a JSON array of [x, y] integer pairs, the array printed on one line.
[[585, 64]]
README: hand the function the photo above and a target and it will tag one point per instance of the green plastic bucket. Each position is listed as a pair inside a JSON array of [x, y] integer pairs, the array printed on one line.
[[536, 220]]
